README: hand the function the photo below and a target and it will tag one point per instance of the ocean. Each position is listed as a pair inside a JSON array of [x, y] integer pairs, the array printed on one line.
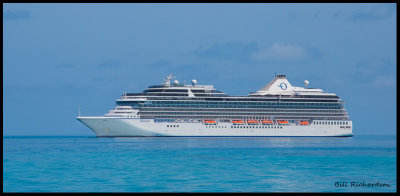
[[199, 164]]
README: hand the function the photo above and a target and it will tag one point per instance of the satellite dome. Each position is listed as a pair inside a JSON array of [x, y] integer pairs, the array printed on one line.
[[176, 82], [194, 82], [306, 83]]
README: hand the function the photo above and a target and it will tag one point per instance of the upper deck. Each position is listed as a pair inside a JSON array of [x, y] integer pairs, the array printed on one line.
[[278, 89]]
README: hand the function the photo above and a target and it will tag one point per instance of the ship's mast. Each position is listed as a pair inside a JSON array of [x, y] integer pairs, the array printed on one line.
[[167, 80]]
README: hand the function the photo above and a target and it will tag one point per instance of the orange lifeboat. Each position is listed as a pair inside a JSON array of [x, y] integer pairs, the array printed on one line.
[[303, 122], [252, 122], [237, 122], [282, 122], [267, 122], [210, 122]]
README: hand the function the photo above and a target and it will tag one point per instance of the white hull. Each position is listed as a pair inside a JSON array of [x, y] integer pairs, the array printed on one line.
[[132, 127]]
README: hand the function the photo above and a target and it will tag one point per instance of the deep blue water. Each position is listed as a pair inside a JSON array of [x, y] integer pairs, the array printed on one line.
[[199, 164]]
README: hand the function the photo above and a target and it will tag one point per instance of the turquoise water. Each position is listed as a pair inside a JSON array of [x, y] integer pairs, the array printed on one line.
[[199, 164]]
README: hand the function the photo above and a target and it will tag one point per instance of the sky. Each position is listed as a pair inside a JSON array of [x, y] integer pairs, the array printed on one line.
[[58, 58]]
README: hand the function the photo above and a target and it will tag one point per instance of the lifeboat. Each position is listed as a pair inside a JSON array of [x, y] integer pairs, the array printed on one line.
[[282, 122], [237, 122], [210, 122], [267, 122], [252, 122], [303, 122]]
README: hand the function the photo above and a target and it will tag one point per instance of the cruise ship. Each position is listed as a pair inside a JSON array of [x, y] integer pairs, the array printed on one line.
[[174, 109]]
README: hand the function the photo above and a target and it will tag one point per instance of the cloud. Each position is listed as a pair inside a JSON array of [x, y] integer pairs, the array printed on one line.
[[229, 51], [375, 66], [375, 73], [384, 81], [66, 65], [368, 12], [160, 64], [132, 54], [53, 89], [374, 12], [16, 14], [109, 64], [279, 52], [337, 14], [250, 52], [105, 79], [195, 68]]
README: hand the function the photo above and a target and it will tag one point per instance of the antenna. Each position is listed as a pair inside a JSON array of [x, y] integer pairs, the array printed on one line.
[[167, 80]]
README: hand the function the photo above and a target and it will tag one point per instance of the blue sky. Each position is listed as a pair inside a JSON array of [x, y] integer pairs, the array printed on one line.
[[59, 57]]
